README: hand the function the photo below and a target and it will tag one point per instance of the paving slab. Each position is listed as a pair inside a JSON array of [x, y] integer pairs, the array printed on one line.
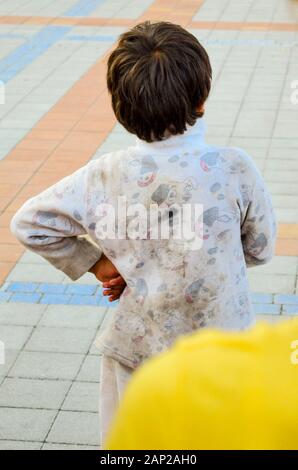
[[82, 396], [73, 427], [18, 424], [19, 445], [60, 340], [33, 393], [47, 365]]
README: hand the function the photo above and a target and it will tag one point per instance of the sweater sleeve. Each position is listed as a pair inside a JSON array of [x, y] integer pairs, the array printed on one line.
[[54, 224], [258, 228]]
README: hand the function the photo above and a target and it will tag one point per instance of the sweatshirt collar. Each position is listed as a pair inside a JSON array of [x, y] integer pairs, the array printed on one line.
[[193, 136]]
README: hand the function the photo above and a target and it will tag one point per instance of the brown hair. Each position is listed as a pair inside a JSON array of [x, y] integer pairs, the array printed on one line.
[[158, 77]]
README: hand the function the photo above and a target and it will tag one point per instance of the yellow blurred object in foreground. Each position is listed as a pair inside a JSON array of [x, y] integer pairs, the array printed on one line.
[[216, 390]]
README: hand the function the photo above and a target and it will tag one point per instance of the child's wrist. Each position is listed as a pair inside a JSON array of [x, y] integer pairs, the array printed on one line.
[[93, 268]]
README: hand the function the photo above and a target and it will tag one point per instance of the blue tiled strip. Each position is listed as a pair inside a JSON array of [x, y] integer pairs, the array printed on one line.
[[83, 7], [89, 294], [39, 43], [11, 36], [25, 54], [50, 293], [95, 38]]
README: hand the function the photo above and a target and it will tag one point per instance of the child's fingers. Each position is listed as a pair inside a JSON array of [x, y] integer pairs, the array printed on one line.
[[112, 291], [114, 288], [108, 293], [116, 281], [115, 296]]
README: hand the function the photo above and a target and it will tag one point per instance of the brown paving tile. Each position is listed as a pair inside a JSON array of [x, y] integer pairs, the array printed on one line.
[[10, 253], [60, 167], [101, 110], [17, 166], [65, 21], [62, 155], [15, 204], [288, 231], [92, 125], [43, 180], [31, 190], [4, 202], [97, 114], [34, 144], [83, 141], [20, 154], [17, 178], [95, 86], [38, 20], [12, 19], [52, 135], [284, 27], [74, 111], [54, 123], [287, 247], [6, 189], [5, 219], [7, 237], [77, 102], [5, 269], [210, 25]]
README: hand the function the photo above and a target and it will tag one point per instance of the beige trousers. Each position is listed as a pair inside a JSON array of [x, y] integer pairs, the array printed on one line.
[[113, 380]]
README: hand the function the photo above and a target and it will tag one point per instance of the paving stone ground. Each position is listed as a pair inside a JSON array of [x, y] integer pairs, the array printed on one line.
[[55, 115]]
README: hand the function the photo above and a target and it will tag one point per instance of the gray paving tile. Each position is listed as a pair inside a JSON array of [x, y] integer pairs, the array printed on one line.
[[18, 423], [90, 371], [286, 216], [279, 265], [19, 445], [83, 396], [94, 350], [21, 314], [268, 284], [67, 340], [87, 278], [35, 272], [46, 365], [31, 393], [14, 337], [73, 316], [75, 427], [67, 447], [10, 358], [30, 257], [280, 176]]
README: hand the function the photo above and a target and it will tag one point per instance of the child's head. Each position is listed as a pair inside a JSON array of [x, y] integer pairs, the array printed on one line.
[[159, 77]]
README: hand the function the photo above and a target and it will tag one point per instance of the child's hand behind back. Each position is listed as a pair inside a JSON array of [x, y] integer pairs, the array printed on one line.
[[106, 272]]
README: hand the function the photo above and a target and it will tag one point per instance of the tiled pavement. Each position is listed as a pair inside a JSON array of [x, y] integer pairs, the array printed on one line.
[[57, 116]]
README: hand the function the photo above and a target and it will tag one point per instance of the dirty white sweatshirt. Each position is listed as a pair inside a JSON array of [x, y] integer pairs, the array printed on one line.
[[173, 287]]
